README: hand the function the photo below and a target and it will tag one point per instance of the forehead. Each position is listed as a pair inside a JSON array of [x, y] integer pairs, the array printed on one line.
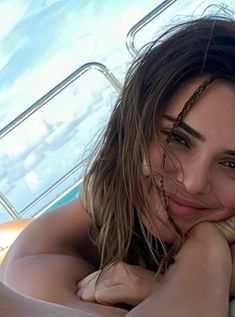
[[213, 111]]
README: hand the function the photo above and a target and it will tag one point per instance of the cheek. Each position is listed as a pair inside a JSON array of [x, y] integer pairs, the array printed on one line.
[[226, 199], [155, 158]]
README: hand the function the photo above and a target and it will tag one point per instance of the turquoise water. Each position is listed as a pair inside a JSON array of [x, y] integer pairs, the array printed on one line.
[[68, 197]]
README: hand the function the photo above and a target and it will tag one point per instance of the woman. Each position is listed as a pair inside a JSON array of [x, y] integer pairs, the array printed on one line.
[[153, 230]]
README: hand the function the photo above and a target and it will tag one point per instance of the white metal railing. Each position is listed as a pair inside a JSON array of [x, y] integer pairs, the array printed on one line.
[[130, 38], [57, 89], [51, 188], [60, 196], [35, 107], [8, 207]]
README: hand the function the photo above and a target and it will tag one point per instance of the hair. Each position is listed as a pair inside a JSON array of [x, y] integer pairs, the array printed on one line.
[[115, 190]]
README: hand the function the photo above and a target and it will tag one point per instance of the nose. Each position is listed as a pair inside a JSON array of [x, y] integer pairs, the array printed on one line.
[[195, 175]]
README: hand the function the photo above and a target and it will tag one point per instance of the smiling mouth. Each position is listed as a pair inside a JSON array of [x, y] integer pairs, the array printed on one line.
[[186, 203], [181, 207]]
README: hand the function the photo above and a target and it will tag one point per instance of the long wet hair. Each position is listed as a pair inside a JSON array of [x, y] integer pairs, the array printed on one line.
[[115, 191]]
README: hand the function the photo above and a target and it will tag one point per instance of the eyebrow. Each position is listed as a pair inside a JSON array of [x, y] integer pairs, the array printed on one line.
[[229, 152], [187, 128]]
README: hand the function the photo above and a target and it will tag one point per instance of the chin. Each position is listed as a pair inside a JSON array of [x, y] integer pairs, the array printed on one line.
[[162, 230], [167, 235]]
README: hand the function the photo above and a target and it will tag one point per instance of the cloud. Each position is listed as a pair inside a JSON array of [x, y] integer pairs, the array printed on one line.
[[11, 13]]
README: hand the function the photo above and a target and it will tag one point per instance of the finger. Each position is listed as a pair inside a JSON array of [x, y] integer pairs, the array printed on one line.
[[87, 294], [86, 287], [89, 278], [114, 295], [106, 275]]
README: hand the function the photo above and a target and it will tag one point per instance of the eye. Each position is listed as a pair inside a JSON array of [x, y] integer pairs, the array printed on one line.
[[229, 164], [176, 137]]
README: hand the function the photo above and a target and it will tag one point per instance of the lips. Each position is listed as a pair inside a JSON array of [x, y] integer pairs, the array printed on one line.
[[186, 203], [183, 207]]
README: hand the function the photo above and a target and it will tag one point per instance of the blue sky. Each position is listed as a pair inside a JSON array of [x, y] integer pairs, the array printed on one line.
[[41, 43]]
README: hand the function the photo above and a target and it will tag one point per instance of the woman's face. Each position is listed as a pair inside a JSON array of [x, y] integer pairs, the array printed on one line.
[[201, 185]]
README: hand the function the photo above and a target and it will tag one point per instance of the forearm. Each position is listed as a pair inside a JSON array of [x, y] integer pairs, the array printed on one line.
[[13, 304], [196, 285], [50, 278]]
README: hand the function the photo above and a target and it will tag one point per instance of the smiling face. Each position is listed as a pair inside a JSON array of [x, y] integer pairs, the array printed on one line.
[[201, 185]]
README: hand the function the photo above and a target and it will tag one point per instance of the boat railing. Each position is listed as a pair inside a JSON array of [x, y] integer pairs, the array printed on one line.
[[57, 89], [7, 205], [130, 38], [130, 44]]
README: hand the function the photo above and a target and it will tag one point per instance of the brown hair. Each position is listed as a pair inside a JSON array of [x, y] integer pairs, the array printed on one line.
[[115, 191]]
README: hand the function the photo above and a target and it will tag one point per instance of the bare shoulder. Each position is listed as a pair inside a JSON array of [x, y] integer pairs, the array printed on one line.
[[62, 231]]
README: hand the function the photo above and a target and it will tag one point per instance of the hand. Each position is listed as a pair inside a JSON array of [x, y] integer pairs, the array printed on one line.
[[214, 234], [119, 283], [213, 240], [227, 227]]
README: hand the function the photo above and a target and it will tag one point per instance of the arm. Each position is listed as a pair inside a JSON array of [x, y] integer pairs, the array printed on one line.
[[198, 283], [52, 279], [13, 304], [227, 227], [46, 262]]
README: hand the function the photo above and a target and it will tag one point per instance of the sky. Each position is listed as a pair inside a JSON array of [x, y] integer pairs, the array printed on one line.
[[41, 43]]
